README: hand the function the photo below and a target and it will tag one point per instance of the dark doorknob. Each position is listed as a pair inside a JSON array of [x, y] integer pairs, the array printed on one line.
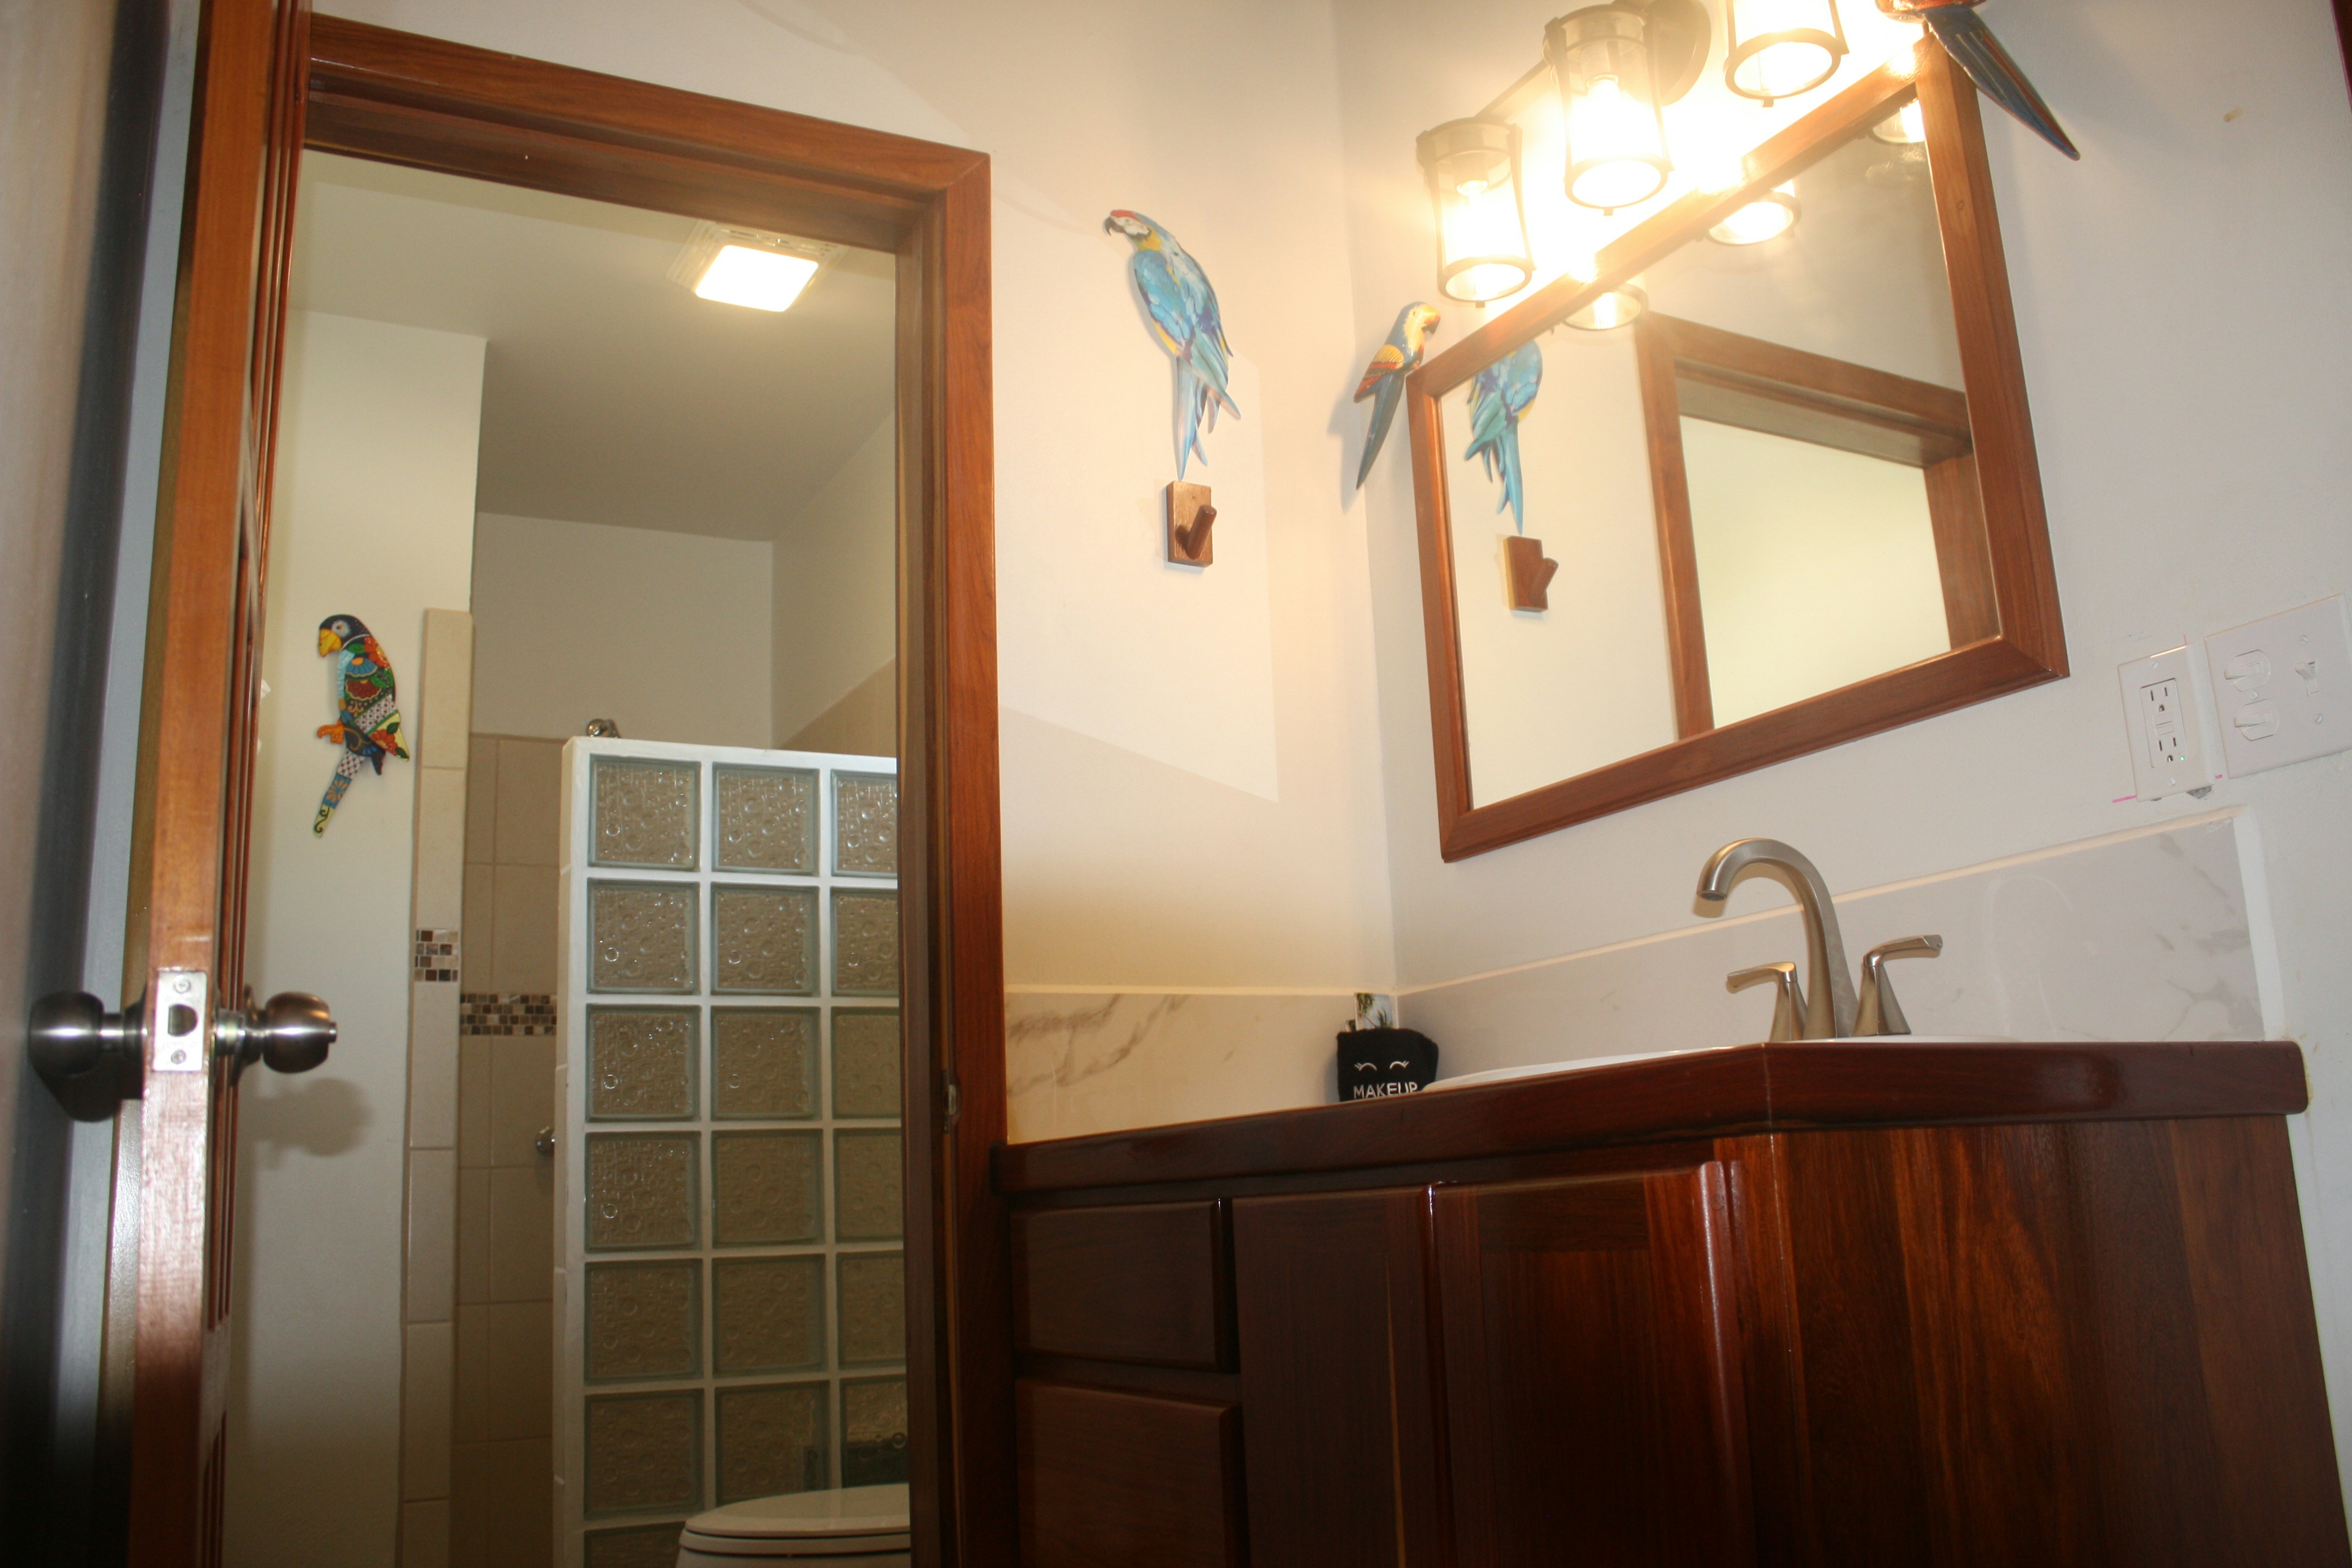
[[289, 1033]]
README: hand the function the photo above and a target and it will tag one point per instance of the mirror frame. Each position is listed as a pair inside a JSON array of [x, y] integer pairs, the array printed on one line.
[[2027, 644]]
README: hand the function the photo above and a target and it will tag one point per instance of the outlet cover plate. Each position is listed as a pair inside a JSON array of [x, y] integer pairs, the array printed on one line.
[[2161, 725], [2282, 688]]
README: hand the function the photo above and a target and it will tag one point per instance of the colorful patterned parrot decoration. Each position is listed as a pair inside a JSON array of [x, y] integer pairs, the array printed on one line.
[[1384, 380], [1969, 42], [1183, 310], [1500, 395], [367, 709]]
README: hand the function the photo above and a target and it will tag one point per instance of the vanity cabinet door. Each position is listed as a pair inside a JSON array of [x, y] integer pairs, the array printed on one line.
[[1592, 1380]]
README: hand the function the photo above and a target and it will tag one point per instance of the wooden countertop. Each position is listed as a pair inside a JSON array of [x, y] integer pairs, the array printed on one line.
[[1697, 1094]]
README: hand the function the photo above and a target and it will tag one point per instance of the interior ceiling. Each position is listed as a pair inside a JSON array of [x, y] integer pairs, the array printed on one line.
[[610, 394]]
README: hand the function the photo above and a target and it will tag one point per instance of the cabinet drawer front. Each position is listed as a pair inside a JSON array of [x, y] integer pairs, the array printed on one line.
[[1149, 1283], [1112, 1480]]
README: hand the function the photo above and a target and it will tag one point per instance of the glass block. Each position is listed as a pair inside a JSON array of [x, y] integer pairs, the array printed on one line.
[[764, 1188], [765, 939], [641, 1063], [872, 1309], [768, 1314], [873, 1431], [640, 1191], [864, 943], [866, 1183], [645, 1322], [763, 1062], [646, 813], [639, 1546], [771, 1440], [644, 1452], [865, 825], [866, 1063], [767, 819], [641, 936]]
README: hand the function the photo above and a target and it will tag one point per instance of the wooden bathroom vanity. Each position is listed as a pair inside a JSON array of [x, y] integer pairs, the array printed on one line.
[[1887, 1303]]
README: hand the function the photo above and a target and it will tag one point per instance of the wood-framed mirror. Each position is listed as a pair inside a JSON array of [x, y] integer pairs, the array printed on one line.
[[1791, 502]]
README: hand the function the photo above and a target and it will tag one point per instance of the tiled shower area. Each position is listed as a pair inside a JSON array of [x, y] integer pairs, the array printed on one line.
[[732, 1295]]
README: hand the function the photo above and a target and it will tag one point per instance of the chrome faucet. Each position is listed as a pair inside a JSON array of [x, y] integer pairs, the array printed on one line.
[[1828, 989]]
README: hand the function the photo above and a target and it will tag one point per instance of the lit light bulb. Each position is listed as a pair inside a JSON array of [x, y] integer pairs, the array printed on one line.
[[1769, 217], [1615, 137], [1619, 306]]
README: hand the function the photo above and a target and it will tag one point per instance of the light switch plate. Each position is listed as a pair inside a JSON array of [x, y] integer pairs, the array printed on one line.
[[2161, 725], [2282, 688]]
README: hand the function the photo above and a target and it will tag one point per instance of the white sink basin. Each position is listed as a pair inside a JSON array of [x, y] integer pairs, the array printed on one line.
[[1583, 1064]]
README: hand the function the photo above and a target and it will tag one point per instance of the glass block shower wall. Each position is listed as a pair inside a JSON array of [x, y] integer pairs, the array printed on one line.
[[730, 1288]]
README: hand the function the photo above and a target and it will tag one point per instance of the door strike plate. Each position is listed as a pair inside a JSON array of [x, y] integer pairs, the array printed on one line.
[[181, 1017]]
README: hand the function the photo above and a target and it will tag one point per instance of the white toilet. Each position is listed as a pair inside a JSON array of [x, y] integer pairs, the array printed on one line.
[[860, 1527]]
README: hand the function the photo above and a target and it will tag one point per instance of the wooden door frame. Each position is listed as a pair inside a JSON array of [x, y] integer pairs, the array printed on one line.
[[372, 92]]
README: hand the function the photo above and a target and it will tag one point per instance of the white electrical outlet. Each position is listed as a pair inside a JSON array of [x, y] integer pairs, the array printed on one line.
[[2282, 688], [2167, 743]]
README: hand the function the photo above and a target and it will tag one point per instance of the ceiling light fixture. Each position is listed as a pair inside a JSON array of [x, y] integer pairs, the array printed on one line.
[[749, 267]]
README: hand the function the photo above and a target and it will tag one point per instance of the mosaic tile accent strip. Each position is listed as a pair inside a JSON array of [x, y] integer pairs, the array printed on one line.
[[765, 940], [864, 943], [763, 1063], [644, 1452], [767, 819], [643, 1321], [866, 1057], [873, 1307], [873, 1431], [865, 825], [768, 1314], [639, 1546], [646, 811], [771, 1440], [505, 1013], [641, 1190], [867, 1185], [642, 1062], [641, 936], [436, 958], [764, 1188]]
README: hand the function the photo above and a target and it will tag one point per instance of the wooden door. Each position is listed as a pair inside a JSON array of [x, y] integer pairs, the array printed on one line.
[[1591, 1373], [195, 759]]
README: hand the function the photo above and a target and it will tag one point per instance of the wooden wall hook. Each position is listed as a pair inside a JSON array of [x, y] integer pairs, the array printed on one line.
[[1530, 574], [1189, 519]]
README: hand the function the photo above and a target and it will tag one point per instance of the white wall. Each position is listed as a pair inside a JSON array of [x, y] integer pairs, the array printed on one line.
[[665, 634], [836, 585], [374, 517]]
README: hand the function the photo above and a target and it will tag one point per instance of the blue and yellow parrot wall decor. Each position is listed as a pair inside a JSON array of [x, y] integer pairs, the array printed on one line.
[[1500, 395], [367, 708], [1384, 380], [1176, 294], [1971, 45]]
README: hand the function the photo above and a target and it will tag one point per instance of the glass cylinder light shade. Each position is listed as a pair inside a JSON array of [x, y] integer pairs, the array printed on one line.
[[1482, 230], [1616, 141], [1781, 47]]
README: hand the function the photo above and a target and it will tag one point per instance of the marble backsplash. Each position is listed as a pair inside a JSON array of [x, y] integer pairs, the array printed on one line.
[[2146, 935]]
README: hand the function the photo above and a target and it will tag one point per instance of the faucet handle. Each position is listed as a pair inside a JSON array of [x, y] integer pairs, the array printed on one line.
[[1788, 998], [1879, 1013]]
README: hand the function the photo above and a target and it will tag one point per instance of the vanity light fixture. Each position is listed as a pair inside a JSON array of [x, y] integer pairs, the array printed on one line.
[[1772, 213], [1617, 153], [1908, 127], [1472, 167], [1780, 48], [749, 267], [1619, 307]]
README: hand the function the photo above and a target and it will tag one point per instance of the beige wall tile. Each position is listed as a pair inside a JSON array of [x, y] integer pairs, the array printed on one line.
[[482, 800], [439, 898], [431, 1234], [473, 1238], [522, 1233], [445, 696], [522, 1097], [524, 904], [469, 1410], [425, 1367], [474, 1053], [425, 1532], [518, 1391], [478, 930], [432, 1066], [502, 1513], [530, 774]]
